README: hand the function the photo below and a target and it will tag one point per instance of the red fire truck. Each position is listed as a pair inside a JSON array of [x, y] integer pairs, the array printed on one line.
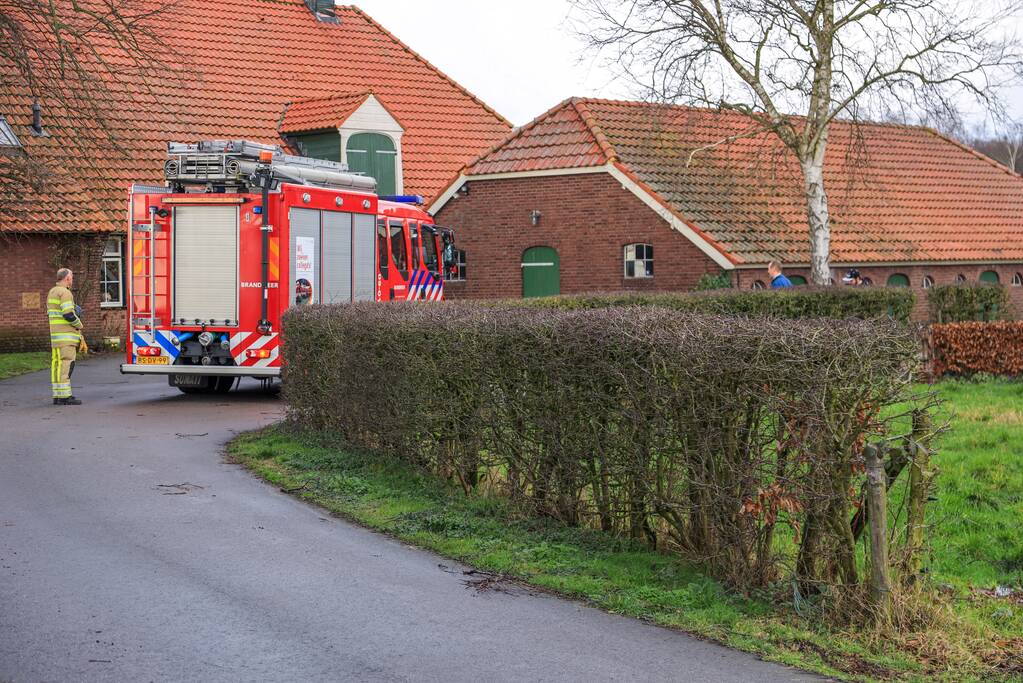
[[240, 233]]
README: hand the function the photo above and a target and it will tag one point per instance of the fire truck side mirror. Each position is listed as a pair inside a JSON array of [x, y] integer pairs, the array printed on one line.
[[450, 257]]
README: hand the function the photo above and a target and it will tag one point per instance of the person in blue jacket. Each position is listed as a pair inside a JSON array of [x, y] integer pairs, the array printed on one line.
[[778, 279]]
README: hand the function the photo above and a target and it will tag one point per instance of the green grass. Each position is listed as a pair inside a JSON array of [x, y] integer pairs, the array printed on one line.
[[975, 544], [14, 364], [977, 519]]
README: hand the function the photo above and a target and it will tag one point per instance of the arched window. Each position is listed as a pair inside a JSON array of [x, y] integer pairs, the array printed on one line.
[[898, 280], [639, 260], [928, 282], [797, 280], [757, 284], [990, 277], [374, 155], [960, 279], [1017, 280]]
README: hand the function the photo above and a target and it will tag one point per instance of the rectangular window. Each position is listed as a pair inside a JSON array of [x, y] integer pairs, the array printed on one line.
[[382, 247], [458, 275], [413, 234], [112, 274], [639, 260], [399, 252], [430, 251]]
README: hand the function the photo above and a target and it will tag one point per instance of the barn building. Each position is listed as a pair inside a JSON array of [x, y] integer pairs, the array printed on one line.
[[598, 195]]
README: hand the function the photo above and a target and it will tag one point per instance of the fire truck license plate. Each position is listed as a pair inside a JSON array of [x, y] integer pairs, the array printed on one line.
[[152, 360]]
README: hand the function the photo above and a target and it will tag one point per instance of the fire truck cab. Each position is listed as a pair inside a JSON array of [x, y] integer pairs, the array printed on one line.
[[242, 232]]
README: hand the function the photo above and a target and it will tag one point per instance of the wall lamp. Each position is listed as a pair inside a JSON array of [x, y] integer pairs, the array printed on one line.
[[534, 217], [463, 191]]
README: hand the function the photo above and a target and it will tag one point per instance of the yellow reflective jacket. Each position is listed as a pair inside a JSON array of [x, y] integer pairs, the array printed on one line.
[[65, 325]]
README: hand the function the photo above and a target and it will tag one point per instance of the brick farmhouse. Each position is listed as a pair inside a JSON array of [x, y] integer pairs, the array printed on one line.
[[599, 195], [324, 81]]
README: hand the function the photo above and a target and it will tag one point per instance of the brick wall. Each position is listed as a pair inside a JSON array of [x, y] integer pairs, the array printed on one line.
[[587, 218], [942, 275], [28, 265]]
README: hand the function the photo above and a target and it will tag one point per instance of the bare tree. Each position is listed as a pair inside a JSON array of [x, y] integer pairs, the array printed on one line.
[[820, 59], [77, 58], [1011, 142]]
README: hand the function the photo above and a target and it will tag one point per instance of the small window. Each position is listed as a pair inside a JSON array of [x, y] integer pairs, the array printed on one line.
[[898, 280], [960, 279], [1017, 280], [928, 282], [111, 274], [797, 280], [758, 284], [639, 260], [399, 252], [8, 139], [458, 273], [990, 277]]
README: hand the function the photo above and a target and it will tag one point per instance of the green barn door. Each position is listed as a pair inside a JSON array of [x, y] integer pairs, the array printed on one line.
[[541, 272], [374, 155]]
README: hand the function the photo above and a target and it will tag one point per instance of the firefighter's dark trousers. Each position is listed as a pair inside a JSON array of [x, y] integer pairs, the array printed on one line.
[[60, 370]]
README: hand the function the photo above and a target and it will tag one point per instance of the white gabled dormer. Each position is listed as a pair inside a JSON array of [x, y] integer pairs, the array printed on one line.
[[357, 129]]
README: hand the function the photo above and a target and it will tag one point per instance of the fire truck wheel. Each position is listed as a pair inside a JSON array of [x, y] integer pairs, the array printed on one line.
[[222, 385]]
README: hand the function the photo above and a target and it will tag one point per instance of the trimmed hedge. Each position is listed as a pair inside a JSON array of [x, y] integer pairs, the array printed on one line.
[[994, 348], [968, 302], [721, 438], [798, 302]]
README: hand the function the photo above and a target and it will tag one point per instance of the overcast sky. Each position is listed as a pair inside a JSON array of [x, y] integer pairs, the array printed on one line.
[[519, 57]]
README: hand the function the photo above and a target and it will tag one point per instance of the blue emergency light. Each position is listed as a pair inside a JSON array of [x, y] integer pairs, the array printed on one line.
[[403, 198]]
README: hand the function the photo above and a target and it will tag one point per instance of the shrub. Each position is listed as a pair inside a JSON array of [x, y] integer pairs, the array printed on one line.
[[972, 348], [708, 282], [718, 437], [967, 302], [802, 302]]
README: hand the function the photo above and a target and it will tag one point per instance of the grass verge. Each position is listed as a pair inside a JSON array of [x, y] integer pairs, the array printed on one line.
[[975, 637], [14, 364]]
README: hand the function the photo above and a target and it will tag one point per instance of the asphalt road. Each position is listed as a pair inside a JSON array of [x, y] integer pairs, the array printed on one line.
[[130, 551]]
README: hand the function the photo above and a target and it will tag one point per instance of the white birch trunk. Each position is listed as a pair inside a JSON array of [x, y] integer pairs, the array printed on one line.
[[817, 214]]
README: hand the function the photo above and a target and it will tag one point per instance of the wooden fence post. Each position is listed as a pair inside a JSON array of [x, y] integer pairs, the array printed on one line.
[[877, 518], [919, 483]]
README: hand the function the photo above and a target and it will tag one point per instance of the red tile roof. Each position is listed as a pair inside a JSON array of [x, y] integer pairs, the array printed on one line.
[[896, 193], [321, 113], [238, 63]]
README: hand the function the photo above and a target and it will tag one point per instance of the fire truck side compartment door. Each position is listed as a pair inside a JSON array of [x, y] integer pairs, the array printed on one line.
[[305, 255], [206, 263], [337, 257], [365, 257]]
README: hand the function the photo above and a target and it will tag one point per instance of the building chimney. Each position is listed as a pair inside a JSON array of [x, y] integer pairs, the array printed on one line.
[[37, 119]]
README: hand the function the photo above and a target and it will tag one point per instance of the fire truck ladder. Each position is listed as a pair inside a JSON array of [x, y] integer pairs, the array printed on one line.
[[144, 233]]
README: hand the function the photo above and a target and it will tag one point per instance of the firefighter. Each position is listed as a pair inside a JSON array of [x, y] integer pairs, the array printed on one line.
[[65, 337]]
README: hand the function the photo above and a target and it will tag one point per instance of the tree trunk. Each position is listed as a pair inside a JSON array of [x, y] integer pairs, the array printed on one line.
[[817, 213]]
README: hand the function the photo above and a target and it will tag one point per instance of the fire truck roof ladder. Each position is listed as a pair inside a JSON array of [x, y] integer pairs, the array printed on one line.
[[225, 164]]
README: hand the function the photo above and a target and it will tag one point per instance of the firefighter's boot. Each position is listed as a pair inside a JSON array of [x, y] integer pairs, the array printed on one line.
[[70, 401]]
